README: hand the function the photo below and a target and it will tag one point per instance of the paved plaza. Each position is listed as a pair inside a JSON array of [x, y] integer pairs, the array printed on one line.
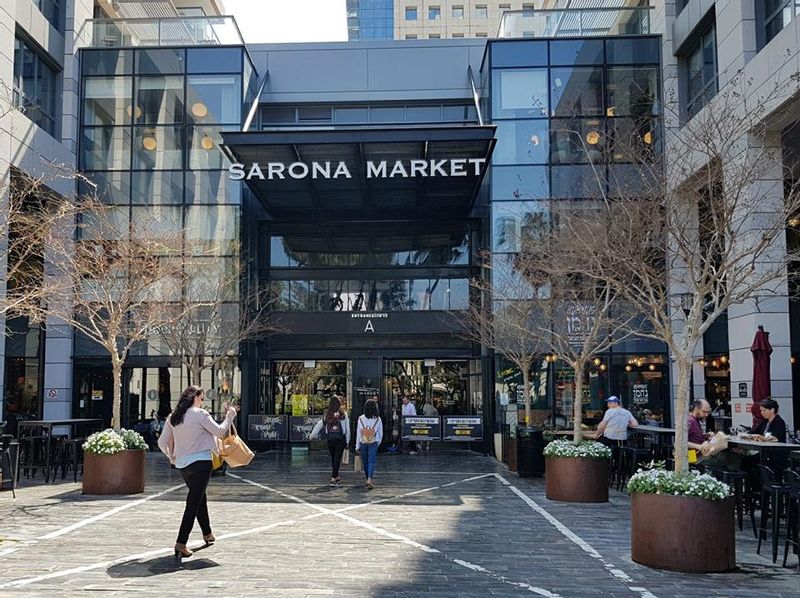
[[438, 524]]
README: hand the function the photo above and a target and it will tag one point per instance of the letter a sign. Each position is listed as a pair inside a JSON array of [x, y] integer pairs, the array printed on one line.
[[369, 327]]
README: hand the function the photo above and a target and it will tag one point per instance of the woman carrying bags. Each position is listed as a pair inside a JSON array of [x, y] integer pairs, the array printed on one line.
[[369, 434], [337, 431], [188, 439]]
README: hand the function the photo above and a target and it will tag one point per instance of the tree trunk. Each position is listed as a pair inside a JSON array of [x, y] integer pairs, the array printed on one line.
[[116, 407], [684, 367], [194, 372], [577, 403], [526, 385]]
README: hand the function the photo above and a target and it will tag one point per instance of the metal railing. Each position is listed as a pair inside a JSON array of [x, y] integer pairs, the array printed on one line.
[[575, 22], [171, 31]]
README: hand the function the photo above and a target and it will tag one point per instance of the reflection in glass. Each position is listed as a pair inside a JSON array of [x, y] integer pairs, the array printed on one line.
[[106, 62], [107, 101], [519, 93], [634, 140], [632, 91], [214, 99], [160, 61], [577, 91], [211, 186], [514, 221], [159, 100], [577, 141], [214, 60], [212, 230], [108, 187], [520, 182], [156, 187], [575, 52], [521, 142], [517, 53], [161, 223], [158, 148], [106, 148], [570, 182], [204, 149], [213, 279]]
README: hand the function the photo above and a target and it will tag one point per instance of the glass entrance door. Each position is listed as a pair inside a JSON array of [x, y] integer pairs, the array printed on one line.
[[305, 387]]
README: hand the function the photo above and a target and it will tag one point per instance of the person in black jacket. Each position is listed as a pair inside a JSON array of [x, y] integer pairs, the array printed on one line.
[[773, 426]]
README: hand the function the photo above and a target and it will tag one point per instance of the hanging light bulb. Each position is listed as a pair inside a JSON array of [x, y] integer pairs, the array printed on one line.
[[596, 361], [206, 142], [652, 367], [628, 368], [602, 367]]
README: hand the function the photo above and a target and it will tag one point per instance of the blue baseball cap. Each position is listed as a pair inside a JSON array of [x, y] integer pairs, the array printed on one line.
[[612, 399]]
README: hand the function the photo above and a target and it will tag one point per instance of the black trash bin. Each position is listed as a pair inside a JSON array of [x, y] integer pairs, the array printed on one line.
[[530, 453]]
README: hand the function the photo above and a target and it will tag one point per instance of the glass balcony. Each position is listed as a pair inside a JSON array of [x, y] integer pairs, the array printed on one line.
[[173, 31], [575, 22]]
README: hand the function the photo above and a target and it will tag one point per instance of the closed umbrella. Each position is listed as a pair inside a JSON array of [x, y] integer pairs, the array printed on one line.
[[761, 350]]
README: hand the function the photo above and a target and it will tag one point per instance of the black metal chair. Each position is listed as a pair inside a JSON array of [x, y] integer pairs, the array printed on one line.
[[630, 458], [737, 480], [772, 495], [71, 456], [9, 462], [792, 516]]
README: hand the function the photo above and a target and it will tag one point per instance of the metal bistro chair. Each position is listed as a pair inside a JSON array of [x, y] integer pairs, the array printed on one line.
[[792, 517], [772, 495], [9, 461]]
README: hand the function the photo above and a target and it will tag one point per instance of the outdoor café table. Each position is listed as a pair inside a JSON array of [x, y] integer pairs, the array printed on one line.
[[763, 447], [27, 426]]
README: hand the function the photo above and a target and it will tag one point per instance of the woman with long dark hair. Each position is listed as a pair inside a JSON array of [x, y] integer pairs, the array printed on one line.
[[336, 426], [188, 439], [369, 434]]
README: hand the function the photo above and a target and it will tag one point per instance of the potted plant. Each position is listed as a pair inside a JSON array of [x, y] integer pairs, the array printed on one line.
[[577, 472], [113, 463], [682, 521]]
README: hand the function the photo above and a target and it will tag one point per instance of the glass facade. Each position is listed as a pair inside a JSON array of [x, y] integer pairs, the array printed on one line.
[[34, 86]]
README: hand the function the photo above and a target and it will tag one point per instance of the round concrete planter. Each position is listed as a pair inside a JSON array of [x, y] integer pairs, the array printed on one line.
[[576, 479], [121, 473], [682, 533]]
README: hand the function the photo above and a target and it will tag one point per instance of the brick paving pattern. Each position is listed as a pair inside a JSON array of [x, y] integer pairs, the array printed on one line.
[[444, 524]]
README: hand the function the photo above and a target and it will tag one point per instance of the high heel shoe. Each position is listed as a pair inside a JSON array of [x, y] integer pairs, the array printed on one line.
[[181, 550], [209, 538]]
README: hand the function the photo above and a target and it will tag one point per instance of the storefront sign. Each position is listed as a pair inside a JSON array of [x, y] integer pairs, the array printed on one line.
[[462, 427], [368, 318], [422, 428], [640, 394], [580, 320], [267, 427], [97, 395], [383, 169], [300, 427]]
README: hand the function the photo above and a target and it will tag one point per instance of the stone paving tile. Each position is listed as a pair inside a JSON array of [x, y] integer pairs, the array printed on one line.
[[432, 534]]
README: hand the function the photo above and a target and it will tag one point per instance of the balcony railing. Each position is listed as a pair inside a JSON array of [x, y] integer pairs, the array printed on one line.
[[172, 31], [575, 22]]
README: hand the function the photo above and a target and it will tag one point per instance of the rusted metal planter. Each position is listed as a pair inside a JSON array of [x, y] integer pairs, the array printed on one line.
[[121, 473], [681, 533], [576, 479]]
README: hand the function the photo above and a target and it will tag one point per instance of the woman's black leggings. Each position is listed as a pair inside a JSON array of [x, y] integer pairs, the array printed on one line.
[[196, 475], [336, 448]]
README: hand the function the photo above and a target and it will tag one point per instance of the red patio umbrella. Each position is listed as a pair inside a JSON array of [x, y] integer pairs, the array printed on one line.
[[761, 350]]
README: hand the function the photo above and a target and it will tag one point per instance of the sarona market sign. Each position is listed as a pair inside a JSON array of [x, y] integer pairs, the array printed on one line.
[[383, 169]]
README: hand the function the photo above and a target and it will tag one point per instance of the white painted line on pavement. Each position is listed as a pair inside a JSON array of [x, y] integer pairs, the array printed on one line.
[[404, 539], [617, 573]]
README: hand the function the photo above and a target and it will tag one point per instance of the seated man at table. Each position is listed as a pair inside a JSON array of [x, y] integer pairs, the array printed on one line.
[[613, 430], [698, 411]]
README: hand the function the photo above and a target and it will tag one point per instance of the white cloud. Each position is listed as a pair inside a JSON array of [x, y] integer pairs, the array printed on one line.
[[285, 21]]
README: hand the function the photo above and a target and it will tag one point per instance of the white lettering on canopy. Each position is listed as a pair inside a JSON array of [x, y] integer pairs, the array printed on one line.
[[382, 169]]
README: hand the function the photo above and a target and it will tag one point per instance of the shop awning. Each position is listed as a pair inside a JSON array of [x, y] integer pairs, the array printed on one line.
[[388, 172]]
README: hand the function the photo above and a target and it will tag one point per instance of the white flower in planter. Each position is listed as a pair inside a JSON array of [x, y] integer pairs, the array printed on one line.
[[587, 449], [692, 483], [108, 442]]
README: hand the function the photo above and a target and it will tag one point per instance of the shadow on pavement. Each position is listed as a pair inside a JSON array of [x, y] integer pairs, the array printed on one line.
[[160, 566]]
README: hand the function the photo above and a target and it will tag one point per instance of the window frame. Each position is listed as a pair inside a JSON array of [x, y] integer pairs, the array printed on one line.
[[411, 10], [693, 104], [40, 61]]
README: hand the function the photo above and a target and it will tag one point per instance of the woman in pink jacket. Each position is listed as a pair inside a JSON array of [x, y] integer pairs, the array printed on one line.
[[188, 439]]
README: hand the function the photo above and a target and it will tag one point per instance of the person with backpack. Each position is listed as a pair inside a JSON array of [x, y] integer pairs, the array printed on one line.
[[336, 429], [369, 434]]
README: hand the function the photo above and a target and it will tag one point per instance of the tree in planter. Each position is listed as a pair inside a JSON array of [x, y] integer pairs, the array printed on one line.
[[113, 283]]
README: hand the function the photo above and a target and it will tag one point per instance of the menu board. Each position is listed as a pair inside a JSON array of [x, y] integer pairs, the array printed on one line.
[[267, 427], [462, 427], [300, 427], [422, 428]]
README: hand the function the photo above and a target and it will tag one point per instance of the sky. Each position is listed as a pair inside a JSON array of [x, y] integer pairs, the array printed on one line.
[[282, 21]]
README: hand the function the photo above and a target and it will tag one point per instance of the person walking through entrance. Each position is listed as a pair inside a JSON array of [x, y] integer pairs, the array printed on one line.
[[428, 410], [369, 434], [410, 410], [188, 439], [336, 426]]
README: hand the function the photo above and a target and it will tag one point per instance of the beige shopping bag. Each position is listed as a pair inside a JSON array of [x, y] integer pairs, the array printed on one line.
[[233, 449]]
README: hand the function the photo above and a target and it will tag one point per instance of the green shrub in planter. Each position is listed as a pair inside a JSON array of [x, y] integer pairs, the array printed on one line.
[[687, 483], [133, 440], [587, 449], [109, 442]]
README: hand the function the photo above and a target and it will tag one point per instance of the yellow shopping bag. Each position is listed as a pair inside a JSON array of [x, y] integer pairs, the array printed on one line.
[[692, 456], [216, 461]]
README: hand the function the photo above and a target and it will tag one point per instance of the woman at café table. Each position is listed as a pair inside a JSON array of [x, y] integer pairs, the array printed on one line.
[[772, 427]]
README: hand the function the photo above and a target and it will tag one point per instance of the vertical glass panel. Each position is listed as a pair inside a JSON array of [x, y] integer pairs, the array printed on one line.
[[165, 61], [437, 291], [212, 230], [513, 221], [214, 60], [459, 293], [45, 98], [108, 187], [213, 279], [280, 256], [159, 100], [424, 114], [521, 142], [633, 50], [574, 52], [464, 113], [157, 187], [577, 91], [107, 101], [212, 186], [298, 295], [111, 224], [279, 290], [106, 148], [351, 114], [573, 182], [107, 62], [204, 149], [634, 140], [163, 223], [526, 182], [214, 98], [519, 93], [632, 91], [390, 114], [518, 53], [577, 141], [158, 148]]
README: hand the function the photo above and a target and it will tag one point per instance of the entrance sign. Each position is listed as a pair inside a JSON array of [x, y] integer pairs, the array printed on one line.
[[300, 427], [462, 427], [422, 428], [383, 169], [267, 427]]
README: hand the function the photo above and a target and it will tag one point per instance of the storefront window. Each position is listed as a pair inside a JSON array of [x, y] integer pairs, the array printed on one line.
[[211, 186], [305, 388], [641, 381], [520, 182], [577, 140]]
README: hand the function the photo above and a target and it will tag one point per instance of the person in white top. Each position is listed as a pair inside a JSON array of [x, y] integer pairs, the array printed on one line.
[[407, 409], [369, 433], [428, 410]]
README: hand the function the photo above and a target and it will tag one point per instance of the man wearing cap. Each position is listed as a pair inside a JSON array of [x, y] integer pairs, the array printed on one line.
[[613, 430]]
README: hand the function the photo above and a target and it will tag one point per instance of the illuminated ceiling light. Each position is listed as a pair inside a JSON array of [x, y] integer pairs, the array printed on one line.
[[723, 359], [628, 368], [206, 142], [131, 111], [611, 111], [149, 143], [199, 109], [593, 137], [714, 363], [602, 367], [648, 138], [652, 367], [794, 222], [596, 361]]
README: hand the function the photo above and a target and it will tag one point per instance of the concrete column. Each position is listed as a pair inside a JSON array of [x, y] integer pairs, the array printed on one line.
[[770, 306]]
